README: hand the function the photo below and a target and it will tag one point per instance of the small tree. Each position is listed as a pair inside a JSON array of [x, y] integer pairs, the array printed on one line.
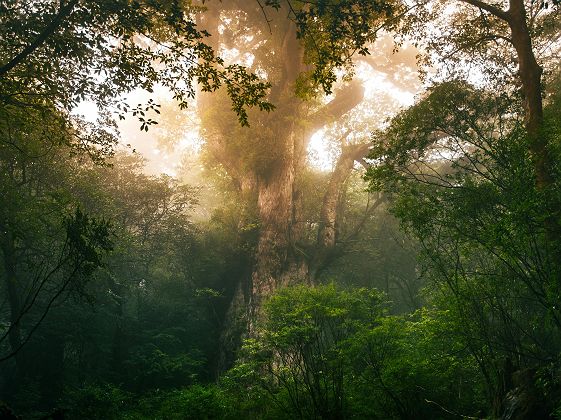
[[297, 358]]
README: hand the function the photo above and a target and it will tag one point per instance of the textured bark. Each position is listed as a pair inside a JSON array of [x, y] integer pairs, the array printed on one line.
[[277, 261], [275, 203], [273, 184], [345, 100], [275, 264], [530, 74], [328, 218]]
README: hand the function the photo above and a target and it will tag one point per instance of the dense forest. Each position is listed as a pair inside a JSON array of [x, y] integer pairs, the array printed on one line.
[[280, 209]]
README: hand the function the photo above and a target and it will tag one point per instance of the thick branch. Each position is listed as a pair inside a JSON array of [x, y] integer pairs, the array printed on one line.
[[495, 11], [345, 164], [345, 100], [327, 233], [40, 40], [291, 62]]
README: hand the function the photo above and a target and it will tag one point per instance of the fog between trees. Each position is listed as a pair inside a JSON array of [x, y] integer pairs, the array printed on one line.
[[184, 251]]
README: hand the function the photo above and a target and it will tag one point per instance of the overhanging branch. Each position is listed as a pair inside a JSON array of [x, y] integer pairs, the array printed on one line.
[[495, 11], [43, 36]]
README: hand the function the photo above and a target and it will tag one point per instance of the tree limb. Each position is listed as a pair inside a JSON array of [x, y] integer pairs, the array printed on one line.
[[495, 11], [48, 31], [345, 100]]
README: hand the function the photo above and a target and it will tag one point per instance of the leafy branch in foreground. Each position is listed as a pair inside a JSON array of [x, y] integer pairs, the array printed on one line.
[[101, 50]]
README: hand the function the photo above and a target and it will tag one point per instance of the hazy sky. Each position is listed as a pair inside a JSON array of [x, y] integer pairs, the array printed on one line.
[[390, 81]]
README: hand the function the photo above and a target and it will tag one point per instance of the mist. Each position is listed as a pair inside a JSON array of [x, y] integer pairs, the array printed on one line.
[[281, 209]]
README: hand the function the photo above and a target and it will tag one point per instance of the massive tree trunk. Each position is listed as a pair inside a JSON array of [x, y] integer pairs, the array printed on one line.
[[277, 260], [280, 139], [275, 203], [275, 263]]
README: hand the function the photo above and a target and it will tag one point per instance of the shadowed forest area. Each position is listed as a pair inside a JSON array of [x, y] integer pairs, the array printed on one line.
[[280, 209]]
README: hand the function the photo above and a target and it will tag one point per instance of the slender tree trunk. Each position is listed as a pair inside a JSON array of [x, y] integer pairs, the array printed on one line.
[[530, 74]]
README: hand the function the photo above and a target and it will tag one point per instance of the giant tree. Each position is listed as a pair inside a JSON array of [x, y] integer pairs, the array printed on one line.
[[296, 46]]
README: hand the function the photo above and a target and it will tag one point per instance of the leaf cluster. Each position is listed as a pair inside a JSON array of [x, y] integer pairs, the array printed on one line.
[[99, 50]]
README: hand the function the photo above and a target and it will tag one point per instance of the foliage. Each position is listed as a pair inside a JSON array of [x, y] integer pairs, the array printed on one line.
[[116, 298], [78, 50], [372, 251], [110, 402], [333, 31], [324, 352], [134, 319], [297, 355], [50, 247], [463, 184], [196, 402], [466, 40], [414, 366], [93, 401], [88, 241]]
